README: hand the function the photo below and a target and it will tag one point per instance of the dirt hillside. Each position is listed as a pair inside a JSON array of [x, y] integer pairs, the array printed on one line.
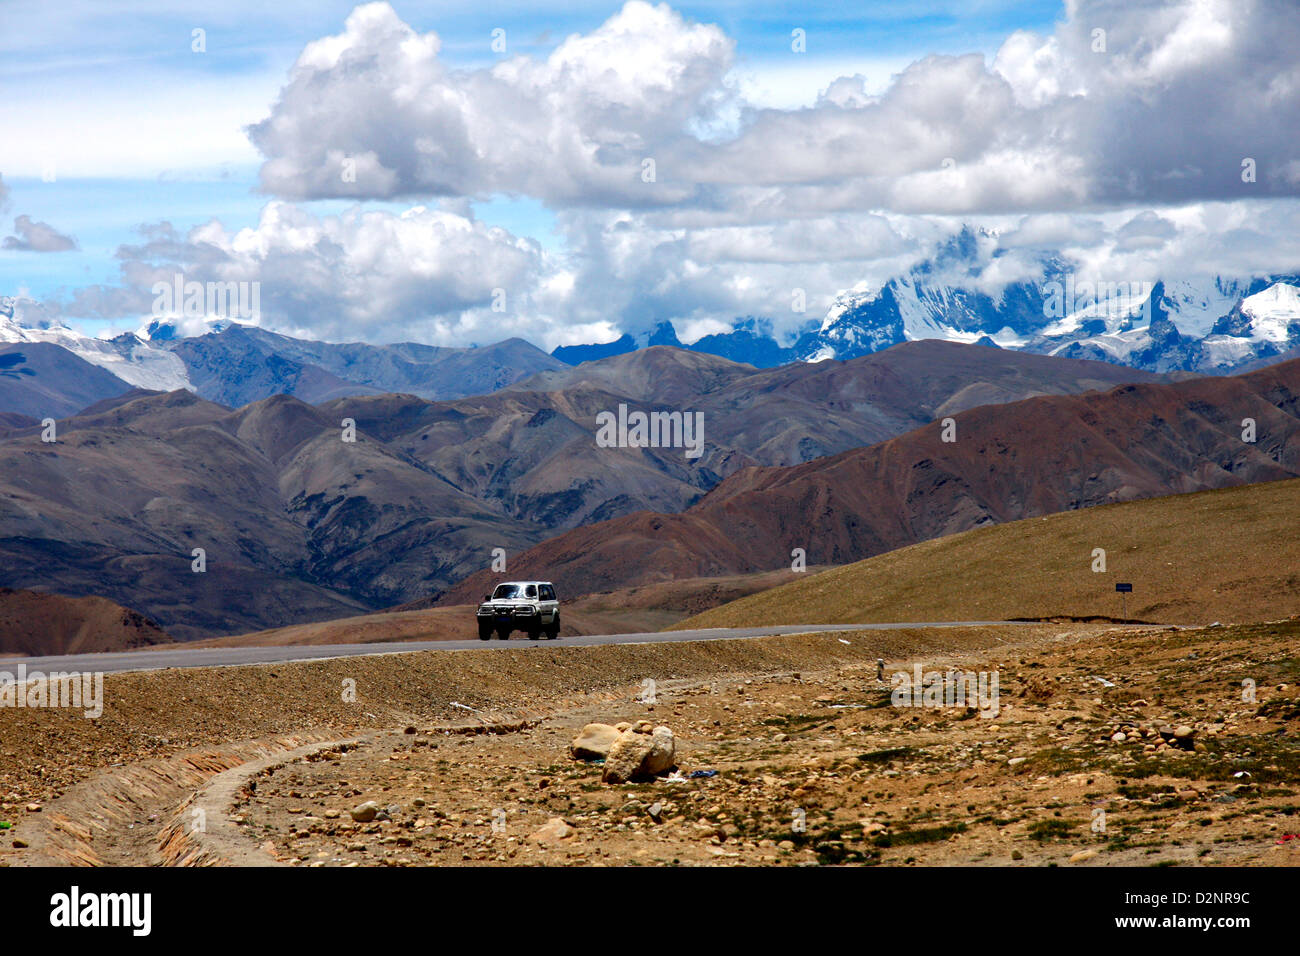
[[1229, 555], [33, 623]]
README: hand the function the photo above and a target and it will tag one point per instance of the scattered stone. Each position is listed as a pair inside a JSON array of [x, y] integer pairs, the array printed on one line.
[[1083, 855]]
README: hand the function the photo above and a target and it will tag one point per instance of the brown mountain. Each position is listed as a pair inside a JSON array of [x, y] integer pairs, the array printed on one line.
[[300, 526], [531, 448], [1033, 457], [32, 623], [296, 524]]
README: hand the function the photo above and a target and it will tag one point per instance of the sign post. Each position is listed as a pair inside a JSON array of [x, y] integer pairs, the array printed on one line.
[[1125, 589]]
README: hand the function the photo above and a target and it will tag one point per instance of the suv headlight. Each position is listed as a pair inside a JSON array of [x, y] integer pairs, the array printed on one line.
[[525, 610]]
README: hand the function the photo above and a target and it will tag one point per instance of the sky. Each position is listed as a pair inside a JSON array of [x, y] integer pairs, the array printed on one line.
[[457, 173]]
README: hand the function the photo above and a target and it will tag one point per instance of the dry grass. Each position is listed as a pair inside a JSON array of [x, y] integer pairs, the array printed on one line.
[[1227, 555]]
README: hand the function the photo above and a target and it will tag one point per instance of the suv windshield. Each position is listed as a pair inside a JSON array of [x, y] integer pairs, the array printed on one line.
[[506, 591]]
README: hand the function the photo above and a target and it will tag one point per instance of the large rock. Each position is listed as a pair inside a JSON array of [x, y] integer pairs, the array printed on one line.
[[553, 831], [593, 742], [663, 753], [639, 753], [365, 812]]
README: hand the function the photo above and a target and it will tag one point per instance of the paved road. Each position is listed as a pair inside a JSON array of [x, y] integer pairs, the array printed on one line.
[[236, 656]]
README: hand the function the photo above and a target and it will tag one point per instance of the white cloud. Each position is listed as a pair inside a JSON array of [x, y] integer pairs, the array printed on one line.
[[573, 128], [428, 274], [1162, 108]]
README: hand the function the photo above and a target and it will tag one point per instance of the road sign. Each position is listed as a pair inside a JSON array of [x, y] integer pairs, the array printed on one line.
[[1124, 589]]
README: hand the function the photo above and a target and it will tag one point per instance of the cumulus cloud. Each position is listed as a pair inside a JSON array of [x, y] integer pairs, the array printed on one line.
[[373, 112], [1123, 103], [33, 236]]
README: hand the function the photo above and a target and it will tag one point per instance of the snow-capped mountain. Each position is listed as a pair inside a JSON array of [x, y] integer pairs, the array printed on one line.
[[1210, 324], [235, 363], [132, 359]]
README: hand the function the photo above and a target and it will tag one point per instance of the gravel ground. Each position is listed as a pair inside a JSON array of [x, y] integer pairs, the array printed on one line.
[[57, 761], [820, 767]]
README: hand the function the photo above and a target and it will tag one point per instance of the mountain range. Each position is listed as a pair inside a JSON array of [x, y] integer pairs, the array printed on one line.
[[1202, 324], [1205, 324], [234, 364], [1033, 457], [298, 524]]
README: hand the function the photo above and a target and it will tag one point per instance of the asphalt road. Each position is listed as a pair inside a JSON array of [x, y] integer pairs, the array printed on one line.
[[146, 660]]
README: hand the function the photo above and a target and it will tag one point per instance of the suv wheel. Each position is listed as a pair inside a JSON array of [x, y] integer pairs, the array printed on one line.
[[485, 630], [553, 629]]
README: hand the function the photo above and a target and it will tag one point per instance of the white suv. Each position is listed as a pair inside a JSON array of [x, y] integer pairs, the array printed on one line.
[[528, 606]]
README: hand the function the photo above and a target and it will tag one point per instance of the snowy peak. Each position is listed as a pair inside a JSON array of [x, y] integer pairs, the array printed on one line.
[[1273, 314]]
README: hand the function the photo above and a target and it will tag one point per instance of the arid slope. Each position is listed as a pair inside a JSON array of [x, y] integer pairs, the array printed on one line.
[[1229, 555]]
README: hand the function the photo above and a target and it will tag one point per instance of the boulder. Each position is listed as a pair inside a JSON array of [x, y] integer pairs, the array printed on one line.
[[626, 755], [663, 753], [640, 753], [593, 742]]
